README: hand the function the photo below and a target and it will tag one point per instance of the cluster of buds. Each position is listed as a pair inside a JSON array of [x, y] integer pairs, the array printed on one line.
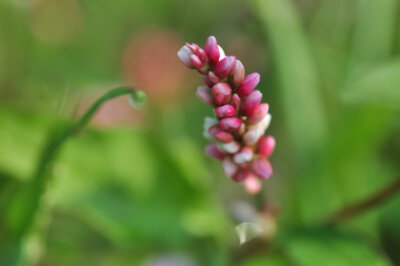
[[237, 132]]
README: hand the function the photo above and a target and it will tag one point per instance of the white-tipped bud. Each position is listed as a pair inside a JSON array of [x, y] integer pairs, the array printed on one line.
[[184, 55], [209, 122], [244, 155], [221, 53], [229, 166], [256, 131], [230, 147]]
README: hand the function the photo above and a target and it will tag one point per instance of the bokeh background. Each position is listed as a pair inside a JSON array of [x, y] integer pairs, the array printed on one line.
[[135, 187]]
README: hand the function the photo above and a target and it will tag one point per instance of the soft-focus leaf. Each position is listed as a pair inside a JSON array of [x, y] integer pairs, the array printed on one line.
[[332, 249], [380, 85], [305, 115]]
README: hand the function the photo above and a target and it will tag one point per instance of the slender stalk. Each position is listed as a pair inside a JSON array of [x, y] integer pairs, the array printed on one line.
[[364, 205], [22, 211]]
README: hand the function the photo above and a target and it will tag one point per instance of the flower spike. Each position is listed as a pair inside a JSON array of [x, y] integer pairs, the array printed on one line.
[[237, 133]]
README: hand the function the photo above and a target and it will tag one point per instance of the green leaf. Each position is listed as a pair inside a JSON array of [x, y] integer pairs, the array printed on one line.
[[381, 85], [271, 260], [332, 249]]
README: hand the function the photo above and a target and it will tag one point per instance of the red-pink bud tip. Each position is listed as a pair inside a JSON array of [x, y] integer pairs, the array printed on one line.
[[248, 84], [250, 103], [224, 67], [237, 74], [262, 168], [213, 151], [220, 135], [230, 124], [211, 48], [266, 146], [207, 81], [241, 174], [196, 61], [225, 111], [221, 93], [258, 115]]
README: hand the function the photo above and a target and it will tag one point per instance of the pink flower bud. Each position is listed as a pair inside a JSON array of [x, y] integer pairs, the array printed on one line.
[[213, 78], [236, 101], [252, 184], [244, 155], [255, 131], [225, 111], [250, 103], [202, 55], [207, 81], [211, 48], [196, 61], [241, 129], [237, 74], [212, 151], [224, 67], [184, 55], [230, 124], [221, 93], [241, 174], [262, 168], [266, 146], [260, 112], [193, 47], [229, 166], [220, 135], [248, 84], [204, 93]]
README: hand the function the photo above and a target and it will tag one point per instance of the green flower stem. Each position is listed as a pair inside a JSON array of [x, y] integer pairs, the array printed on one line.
[[22, 212]]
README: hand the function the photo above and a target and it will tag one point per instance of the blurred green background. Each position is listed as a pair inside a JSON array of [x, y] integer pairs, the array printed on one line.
[[135, 188]]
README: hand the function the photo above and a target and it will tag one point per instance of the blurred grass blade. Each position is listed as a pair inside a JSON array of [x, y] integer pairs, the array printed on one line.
[[373, 35], [21, 212], [296, 72], [378, 86]]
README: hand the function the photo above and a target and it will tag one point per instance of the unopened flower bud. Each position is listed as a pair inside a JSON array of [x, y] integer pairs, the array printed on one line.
[[229, 166], [221, 93], [237, 74], [220, 135], [256, 131], [184, 55], [212, 50], [266, 146], [224, 67], [213, 78], [221, 53], [212, 150], [252, 184], [207, 81], [258, 115], [250, 103], [230, 147], [208, 123], [196, 61], [249, 83], [226, 110], [193, 47], [230, 124], [244, 155], [202, 55], [204, 94], [241, 174], [236, 101], [262, 168]]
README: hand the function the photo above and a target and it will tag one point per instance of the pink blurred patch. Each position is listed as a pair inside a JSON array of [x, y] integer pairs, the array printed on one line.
[[113, 113], [150, 63]]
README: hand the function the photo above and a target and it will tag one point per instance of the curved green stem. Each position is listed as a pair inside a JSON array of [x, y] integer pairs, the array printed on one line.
[[22, 211]]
